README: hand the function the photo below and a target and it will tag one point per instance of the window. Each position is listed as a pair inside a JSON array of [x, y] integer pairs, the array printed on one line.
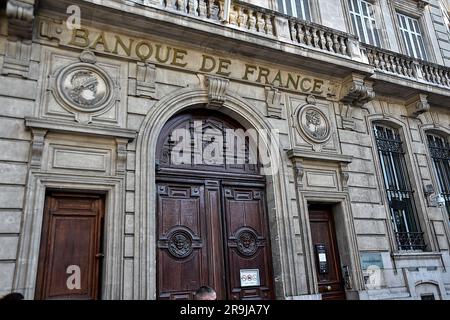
[[428, 296], [398, 189], [440, 154], [363, 21], [412, 36], [295, 8]]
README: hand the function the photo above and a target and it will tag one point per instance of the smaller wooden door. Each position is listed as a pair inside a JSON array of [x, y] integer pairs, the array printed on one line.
[[328, 267], [71, 249]]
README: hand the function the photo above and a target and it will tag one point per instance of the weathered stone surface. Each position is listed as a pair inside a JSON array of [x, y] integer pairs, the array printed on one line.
[[8, 247], [10, 221], [11, 197]]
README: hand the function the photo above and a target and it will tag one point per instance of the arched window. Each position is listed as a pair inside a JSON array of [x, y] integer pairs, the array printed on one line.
[[440, 154], [398, 189]]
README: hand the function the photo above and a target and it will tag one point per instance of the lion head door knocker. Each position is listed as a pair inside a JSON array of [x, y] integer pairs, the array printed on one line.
[[85, 89], [313, 123], [180, 244], [247, 243]]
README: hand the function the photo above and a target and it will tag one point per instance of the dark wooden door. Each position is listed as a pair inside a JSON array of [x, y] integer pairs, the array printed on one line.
[[71, 247], [213, 234], [212, 224], [326, 253], [247, 243]]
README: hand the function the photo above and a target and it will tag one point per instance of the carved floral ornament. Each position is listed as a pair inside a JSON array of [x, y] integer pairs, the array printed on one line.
[[84, 87], [313, 122]]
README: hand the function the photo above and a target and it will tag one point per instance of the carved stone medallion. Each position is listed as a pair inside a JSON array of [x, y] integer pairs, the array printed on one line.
[[180, 244], [84, 87], [314, 124], [247, 243]]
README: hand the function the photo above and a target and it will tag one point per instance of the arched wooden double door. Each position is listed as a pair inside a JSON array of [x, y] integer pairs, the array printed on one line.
[[212, 223]]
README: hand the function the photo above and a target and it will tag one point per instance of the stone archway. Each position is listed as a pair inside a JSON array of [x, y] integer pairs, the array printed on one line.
[[145, 217]]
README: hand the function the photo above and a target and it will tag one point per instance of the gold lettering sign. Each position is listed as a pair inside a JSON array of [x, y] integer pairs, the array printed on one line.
[[153, 52]]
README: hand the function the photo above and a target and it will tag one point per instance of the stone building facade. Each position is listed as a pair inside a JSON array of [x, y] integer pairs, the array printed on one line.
[[352, 98]]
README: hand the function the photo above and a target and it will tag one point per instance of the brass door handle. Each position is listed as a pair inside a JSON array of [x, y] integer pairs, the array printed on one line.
[[99, 255], [329, 288]]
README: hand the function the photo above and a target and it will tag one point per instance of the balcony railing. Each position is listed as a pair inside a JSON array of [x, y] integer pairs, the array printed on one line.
[[274, 25], [319, 37], [264, 22], [406, 67], [410, 240]]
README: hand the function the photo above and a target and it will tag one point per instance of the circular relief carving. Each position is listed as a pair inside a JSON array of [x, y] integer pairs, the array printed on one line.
[[84, 87], [180, 244], [314, 124], [247, 243]]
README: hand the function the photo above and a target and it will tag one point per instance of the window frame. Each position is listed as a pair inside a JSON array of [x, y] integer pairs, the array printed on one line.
[[414, 38], [411, 9], [414, 176], [410, 216], [314, 9], [379, 21], [446, 137], [373, 19]]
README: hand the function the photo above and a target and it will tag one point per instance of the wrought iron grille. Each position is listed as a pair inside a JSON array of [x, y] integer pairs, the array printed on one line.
[[398, 189], [440, 153], [408, 240]]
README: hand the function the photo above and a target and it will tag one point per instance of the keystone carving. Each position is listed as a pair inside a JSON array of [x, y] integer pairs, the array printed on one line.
[[355, 93], [20, 15], [417, 105], [217, 90], [273, 103]]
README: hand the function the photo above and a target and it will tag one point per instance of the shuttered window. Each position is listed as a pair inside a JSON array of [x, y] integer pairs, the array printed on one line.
[[398, 189], [412, 36], [295, 8], [363, 20]]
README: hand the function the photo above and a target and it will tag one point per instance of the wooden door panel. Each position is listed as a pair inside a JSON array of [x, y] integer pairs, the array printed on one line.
[[325, 249], [64, 252], [71, 238], [182, 245], [247, 242]]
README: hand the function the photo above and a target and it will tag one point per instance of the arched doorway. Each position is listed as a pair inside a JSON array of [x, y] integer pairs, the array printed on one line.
[[211, 210]]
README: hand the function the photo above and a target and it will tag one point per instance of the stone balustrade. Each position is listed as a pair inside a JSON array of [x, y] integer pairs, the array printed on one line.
[[320, 37], [278, 26], [264, 22], [407, 67]]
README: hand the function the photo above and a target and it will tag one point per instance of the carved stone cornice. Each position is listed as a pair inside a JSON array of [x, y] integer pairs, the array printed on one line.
[[20, 15], [355, 93], [217, 90], [417, 105]]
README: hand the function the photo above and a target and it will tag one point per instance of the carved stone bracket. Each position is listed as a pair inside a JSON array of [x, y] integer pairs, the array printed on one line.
[[274, 103], [37, 146], [142, 81], [20, 15], [217, 90], [121, 155], [299, 172], [345, 176], [355, 93], [417, 105]]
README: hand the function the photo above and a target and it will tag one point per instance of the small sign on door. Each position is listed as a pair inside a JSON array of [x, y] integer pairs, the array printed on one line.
[[250, 277]]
